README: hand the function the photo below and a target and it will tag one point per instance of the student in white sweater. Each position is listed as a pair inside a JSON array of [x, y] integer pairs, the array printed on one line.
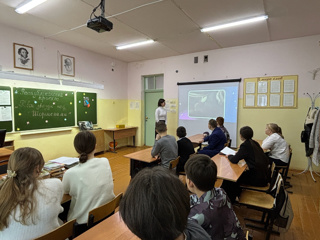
[[161, 113], [29, 207], [90, 183], [279, 149]]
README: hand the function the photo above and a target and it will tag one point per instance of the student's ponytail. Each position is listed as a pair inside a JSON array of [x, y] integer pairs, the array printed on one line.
[[83, 157]]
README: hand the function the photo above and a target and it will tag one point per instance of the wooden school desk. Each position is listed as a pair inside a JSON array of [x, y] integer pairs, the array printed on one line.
[[196, 140], [226, 169], [5, 154], [118, 133], [113, 228], [140, 159]]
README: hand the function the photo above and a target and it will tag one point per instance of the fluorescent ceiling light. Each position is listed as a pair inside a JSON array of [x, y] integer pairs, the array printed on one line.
[[135, 44], [27, 5], [250, 20]]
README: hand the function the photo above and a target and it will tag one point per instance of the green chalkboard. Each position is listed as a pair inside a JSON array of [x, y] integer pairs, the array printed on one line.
[[40, 108], [87, 107], [5, 108]]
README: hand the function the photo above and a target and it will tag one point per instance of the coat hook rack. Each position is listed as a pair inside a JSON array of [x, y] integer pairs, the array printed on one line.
[[313, 98]]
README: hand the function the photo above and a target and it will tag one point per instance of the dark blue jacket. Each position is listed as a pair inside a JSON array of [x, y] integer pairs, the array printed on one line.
[[216, 141]]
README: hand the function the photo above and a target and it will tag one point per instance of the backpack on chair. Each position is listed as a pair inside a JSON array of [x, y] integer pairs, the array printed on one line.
[[285, 215]]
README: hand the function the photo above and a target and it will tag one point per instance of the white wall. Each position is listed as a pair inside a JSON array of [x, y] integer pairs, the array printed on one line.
[[89, 66]]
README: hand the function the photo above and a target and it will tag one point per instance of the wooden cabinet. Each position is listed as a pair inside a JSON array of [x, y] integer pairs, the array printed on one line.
[[101, 146]]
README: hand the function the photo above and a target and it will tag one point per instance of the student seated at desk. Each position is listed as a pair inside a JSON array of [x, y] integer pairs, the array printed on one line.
[[256, 160], [156, 206], [90, 183], [185, 148], [210, 206], [216, 140], [29, 207], [279, 149], [165, 145], [220, 122]]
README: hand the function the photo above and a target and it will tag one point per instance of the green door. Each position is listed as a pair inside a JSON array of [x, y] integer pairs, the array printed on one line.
[[151, 104]]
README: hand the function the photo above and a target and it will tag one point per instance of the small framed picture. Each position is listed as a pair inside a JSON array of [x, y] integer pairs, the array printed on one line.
[[23, 56], [67, 65]]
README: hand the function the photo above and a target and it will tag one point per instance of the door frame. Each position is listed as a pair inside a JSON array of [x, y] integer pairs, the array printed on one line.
[[145, 107]]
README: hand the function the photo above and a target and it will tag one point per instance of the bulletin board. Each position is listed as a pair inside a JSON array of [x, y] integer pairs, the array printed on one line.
[[270, 92], [5, 109]]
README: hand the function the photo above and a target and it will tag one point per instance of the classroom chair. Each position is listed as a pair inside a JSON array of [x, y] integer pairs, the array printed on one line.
[[174, 163], [268, 188], [228, 143], [284, 171], [267, 203], [100, 213], [61, 233]]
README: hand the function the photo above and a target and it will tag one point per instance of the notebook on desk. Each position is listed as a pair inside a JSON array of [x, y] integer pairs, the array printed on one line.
[[227, 151]]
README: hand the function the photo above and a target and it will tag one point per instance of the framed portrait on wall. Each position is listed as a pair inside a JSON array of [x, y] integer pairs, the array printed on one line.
[[23, 56], [67, 66]]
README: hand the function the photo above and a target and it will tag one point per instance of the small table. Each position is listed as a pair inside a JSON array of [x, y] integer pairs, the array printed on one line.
[[140, 160], [196, 140], [226, 169], [112, 228], [118, 133]]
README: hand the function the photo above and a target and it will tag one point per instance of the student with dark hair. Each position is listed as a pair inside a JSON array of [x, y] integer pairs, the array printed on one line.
[[256, 160], [279, 148], [90, 183], [210, 206], [29, 207], [164, 146], [161, 113], [156, 206], [220, 122], [216, 140], [185, 148]]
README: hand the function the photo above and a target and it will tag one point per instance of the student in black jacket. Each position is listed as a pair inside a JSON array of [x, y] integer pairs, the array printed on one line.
[[185, 148], [257, 162]]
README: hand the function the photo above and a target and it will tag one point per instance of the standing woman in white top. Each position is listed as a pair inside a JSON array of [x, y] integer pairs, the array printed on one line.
[[161, 112], [29, 207], [279, 149], [90, 183]]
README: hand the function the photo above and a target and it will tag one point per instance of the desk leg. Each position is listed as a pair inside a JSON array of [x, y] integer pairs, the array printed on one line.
[[134, 140], [114, 144]]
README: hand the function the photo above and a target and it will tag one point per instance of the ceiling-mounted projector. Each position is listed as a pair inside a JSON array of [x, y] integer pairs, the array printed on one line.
[[100, 24]]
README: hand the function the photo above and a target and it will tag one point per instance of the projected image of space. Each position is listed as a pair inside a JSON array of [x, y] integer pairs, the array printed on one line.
[[205, 104]]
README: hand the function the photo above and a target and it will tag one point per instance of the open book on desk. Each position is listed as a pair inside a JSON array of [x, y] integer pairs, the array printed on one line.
[[67, 161], [227, 151]]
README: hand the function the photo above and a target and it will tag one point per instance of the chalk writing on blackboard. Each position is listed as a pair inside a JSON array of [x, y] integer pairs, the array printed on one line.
[[40, 108]]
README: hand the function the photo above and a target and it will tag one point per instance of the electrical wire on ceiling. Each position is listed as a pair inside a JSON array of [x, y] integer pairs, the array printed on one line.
[[114, 15]]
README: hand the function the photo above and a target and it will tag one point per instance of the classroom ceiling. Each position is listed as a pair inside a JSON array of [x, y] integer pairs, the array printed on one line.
[[174, 24]]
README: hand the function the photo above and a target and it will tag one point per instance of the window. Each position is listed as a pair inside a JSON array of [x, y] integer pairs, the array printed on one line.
[[153, 82]]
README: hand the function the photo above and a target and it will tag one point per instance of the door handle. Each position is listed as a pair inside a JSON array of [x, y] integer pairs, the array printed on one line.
[[147, 118]]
